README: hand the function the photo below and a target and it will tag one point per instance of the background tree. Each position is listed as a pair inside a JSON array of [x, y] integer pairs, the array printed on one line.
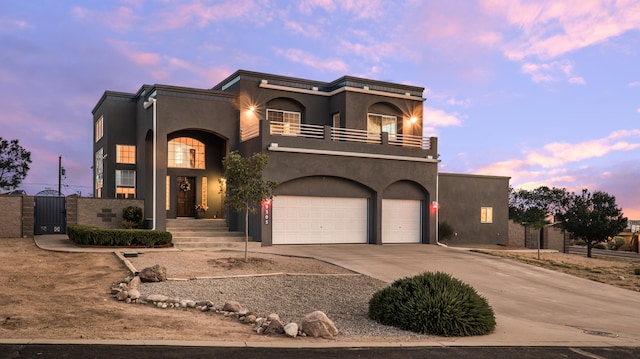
[[592, 217], [245, 188], [14, 163], [535, 208]]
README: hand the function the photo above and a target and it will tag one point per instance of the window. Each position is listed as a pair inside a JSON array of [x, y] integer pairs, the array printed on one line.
[[290, 121], [126, 154], [125, 184], [382, 123], [99, 128], [336, 120], [99, 172], [167, 193], [486, 214], [186, 152]]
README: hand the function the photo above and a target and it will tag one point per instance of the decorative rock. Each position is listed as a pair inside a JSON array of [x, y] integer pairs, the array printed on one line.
[[134, 293], [291, 330], [156, 273], [135, 282], [260, 330], [250, 318], [273, 316], [232, 306], [274, 327], [259, 321], [122, 295], [317, 324], [157, 298]]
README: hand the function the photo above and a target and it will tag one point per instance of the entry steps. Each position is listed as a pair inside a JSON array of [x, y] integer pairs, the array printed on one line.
[[204, 234]]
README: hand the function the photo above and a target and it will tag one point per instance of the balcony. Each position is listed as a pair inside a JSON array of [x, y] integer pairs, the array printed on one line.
[[305, 138]]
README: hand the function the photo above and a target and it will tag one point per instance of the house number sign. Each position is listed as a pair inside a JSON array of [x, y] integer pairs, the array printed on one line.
[[267, 212]]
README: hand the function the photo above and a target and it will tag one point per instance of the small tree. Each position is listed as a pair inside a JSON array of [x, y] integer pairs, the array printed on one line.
[[245, 188], [14, 163], [592, 217], [534, 208]]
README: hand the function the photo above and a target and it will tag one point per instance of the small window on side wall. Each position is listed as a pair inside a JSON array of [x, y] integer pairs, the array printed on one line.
[[486, 214]]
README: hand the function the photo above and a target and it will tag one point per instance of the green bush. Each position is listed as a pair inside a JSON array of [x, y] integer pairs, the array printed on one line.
[[445, 231], [600, 246], [94, 236], [131, 217], [616, 243], [433, 303]]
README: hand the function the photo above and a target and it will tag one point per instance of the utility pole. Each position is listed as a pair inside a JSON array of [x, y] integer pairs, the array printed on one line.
[[61, 172]]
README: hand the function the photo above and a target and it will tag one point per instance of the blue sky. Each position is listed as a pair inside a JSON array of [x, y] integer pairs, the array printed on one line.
[[546, 92]]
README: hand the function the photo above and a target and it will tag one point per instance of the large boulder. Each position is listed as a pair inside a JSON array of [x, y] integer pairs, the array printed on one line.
[[317, 324], [157, 273]]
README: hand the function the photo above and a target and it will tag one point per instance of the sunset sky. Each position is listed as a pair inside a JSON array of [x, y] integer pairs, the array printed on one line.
[[546, 92]]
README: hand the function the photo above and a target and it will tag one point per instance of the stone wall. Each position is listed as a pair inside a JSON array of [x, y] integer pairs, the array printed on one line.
[[99, 212], [516, 234], [11, 216], [17, 213]]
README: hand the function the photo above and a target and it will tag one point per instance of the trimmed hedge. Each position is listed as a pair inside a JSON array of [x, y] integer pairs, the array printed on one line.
[[433, 303], [93, 236]]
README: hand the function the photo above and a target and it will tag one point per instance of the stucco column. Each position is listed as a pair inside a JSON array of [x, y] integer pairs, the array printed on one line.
[[376, 219]]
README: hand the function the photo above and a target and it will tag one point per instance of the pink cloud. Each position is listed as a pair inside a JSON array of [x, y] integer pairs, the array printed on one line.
[[438, 118], [364, 9], [556, 28], [305, 58], [136, 57], [200, 14]]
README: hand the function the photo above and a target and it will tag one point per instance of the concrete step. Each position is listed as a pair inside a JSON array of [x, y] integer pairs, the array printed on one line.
[[221, 239], [193, 246], [195, 223], [204, 234]]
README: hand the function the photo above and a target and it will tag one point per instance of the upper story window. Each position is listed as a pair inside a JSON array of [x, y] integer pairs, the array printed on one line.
[[186, 152], [126, 154], [288, 120], [99, 130], [486, 214], [377, 123]]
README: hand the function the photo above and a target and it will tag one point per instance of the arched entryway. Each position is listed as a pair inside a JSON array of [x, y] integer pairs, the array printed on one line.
[[194, 174]]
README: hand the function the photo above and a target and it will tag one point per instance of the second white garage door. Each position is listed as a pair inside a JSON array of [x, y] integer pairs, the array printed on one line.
[[401, 221], [318, 220]]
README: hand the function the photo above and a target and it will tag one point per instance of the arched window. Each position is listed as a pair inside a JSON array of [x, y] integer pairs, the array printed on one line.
[[186, 152]]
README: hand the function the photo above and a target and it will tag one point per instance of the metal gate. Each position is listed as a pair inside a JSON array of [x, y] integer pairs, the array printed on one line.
[[50, 215]]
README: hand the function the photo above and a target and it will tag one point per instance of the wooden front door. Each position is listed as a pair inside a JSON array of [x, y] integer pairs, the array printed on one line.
[[186, 196]]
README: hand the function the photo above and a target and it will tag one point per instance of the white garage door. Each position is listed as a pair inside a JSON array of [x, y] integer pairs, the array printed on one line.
[[401, 221], [316, 220]]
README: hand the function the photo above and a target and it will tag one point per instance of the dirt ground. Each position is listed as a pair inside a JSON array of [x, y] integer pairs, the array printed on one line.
[[618, 272], [53, 295]]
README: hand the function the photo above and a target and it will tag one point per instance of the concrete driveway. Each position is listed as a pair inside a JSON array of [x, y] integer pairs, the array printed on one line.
[[533, 306]]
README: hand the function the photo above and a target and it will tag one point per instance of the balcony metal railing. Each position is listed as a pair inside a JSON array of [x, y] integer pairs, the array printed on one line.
[[296, 129], [337, 134], [249, 132]]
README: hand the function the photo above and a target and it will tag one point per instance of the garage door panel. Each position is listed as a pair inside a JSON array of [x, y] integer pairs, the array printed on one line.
[[317, 220], [401, 221]]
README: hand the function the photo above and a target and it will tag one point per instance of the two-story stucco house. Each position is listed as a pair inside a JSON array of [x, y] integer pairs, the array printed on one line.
[[349, 158]]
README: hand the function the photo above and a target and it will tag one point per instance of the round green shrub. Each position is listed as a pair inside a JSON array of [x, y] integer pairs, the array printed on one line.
[[131, 216], [433, 303]]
